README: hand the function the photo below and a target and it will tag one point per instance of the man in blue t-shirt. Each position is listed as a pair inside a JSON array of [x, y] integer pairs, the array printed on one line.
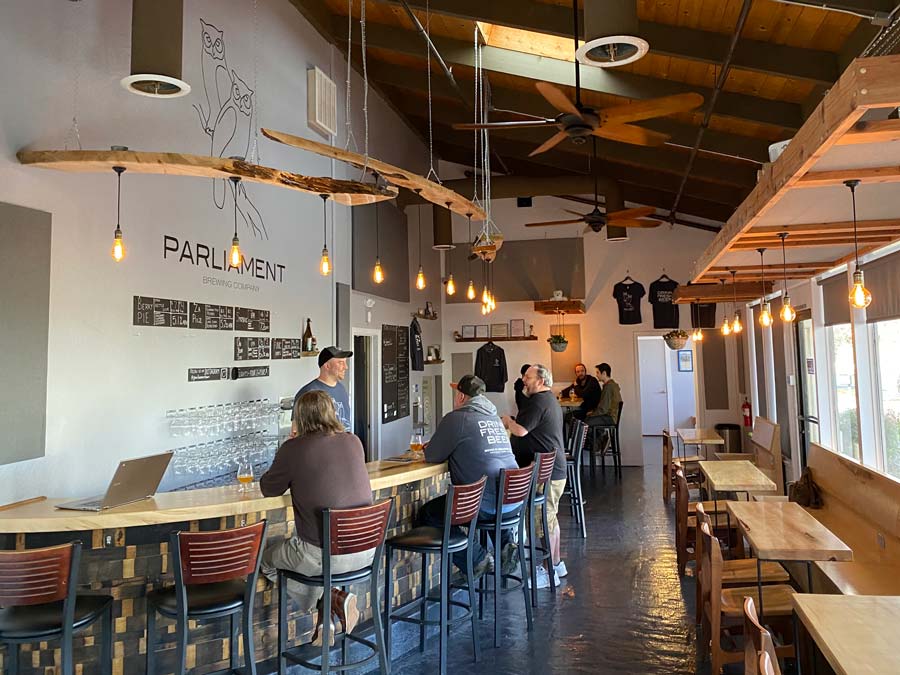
[[332, 369]]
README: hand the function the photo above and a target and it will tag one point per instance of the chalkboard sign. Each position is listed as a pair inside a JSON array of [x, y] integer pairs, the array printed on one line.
[[251, 320], [394, 372], [249, 371], [207, 374], [252, 349], [160, 312], [286, 348], [402, 371], [211, 317]]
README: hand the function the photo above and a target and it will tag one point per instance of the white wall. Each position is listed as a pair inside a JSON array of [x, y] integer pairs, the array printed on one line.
[[109, 383], [681, 392]]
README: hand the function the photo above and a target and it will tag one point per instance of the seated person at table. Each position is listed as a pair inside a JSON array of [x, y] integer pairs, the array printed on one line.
[[324, 467], [539, 428], [519, 387], [472, 440], [587, 388], [607, 411]]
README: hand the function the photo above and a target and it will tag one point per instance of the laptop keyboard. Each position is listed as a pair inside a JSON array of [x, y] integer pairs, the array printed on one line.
[[92, 504]]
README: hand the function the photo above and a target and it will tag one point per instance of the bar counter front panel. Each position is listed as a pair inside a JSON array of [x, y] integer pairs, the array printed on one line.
[[125, 554]]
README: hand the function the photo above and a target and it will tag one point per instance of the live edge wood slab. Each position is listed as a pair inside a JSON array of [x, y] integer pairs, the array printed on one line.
[[125, 554]]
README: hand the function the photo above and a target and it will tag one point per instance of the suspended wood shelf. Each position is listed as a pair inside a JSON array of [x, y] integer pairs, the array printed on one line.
[[743, 291], [527, 338], [347, 192], [422, 316], [436, 362], [556, 306], [427, 189]]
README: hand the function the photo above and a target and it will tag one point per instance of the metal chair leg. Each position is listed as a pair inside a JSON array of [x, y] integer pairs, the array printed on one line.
[[151, 639], [548, 547], [235, 630], [497, 574], [106, 641], [533, 562], [444, 607], [524, 585], [249, 650], [345, 643], [282, 623], [388, 566], [326, 630], [12, 658], [470, 579], [423, 591], [384, 656], [181, 638]]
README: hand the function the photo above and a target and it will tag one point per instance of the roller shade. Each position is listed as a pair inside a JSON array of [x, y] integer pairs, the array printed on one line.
[[835, 298], [883, 280]]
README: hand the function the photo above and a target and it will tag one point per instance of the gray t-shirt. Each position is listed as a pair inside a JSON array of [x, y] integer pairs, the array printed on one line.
[[337, 393]]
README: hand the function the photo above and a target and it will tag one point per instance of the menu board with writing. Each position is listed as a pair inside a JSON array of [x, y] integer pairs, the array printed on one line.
[[211, 317], [388, 373], [402, 371], [252, 349], [207, 374], [286, 348], [160, 312], [241, 373], [251, 320]]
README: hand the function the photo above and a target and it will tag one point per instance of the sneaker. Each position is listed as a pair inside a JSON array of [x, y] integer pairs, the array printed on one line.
[[543, 579], [482, 567], [560, 569], [509, 559]]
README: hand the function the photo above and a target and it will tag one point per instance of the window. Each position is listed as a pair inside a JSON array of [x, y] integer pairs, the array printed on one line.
[[843, 390], [887, 370]]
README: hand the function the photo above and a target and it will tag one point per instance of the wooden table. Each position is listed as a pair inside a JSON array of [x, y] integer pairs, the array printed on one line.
[[736, 476], [570, 402], [699, 437], [862, 578], [855, 633]]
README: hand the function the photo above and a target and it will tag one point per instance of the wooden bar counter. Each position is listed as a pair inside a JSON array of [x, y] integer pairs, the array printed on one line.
[[126, 553]]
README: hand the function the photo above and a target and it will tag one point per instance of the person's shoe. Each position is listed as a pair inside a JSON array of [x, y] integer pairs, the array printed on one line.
[[482, 567], [509, 559], [560, 569], [343, 606], [543, 578], [317, 633], [490, 563]]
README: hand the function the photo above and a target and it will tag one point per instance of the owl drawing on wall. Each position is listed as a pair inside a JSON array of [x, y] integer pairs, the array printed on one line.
[[216, 76]]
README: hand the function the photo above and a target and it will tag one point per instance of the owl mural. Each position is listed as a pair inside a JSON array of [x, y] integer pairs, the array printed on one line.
[[227, 117]]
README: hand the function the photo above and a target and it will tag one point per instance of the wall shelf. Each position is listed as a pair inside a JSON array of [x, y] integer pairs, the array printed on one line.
[[527, 338], [556, 306], [434, 363], [422, 316], [315, 353]]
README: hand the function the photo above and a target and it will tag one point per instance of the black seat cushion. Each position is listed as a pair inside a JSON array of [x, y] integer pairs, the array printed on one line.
[[510, 519], [202, 598], [425, 537], [45, 620]]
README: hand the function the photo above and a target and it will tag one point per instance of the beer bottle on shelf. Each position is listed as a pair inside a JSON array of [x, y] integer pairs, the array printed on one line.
[[308, 338]]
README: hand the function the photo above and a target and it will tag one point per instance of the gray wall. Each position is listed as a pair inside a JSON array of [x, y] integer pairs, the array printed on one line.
[[392, 248]]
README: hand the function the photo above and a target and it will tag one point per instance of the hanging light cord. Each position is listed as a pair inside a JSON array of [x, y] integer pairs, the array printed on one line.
[[324, 220], [419, 211], [733, 290], [852, 185], [783, 236], [377, 234], [118, 170], [762, 269]]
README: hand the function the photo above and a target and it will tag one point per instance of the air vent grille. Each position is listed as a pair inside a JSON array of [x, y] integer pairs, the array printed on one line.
[[321, 102]]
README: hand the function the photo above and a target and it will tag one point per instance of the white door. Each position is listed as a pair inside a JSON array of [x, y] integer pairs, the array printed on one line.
[[654, 393]]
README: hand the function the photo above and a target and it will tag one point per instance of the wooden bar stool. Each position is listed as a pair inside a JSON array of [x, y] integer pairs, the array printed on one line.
[[38, 602], [514, 488], [345, 531], [462, 505], [539, 552], [215, 576], [577, 440]]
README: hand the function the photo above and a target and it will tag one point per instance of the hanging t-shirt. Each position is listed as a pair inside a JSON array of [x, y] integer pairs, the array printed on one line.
[[628, 296], [490, 366], [703, 315], [665, 311], [416, 353]]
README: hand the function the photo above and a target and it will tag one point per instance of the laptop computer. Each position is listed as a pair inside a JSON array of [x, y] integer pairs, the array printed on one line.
[[134, 480]]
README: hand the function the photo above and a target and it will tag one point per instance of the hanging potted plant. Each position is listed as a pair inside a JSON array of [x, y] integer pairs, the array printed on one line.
[[676, 339], [558, 341]]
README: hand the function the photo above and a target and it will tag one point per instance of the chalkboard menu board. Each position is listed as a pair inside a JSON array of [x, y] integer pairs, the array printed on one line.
[[252, 349], [160, 312], [242, 373], [286, 348], [394, 372], [211, 317], [251, 320], [207, 374]]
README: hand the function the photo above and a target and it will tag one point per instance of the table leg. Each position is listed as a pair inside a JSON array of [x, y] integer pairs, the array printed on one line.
[[796, 623], [809, 584], [759, 589]]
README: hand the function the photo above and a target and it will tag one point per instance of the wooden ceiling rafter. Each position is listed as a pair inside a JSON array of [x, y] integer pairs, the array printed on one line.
[[718, 292], [866, 176]]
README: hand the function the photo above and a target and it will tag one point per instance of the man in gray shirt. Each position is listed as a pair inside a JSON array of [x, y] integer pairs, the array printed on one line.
[[473, 441], [332, 369]]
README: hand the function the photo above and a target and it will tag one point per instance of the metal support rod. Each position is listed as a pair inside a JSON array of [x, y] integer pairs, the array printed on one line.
[[720, 83]]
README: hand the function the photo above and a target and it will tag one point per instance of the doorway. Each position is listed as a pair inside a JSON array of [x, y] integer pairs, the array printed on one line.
[[666, 383], [365, 390], [807, 397]]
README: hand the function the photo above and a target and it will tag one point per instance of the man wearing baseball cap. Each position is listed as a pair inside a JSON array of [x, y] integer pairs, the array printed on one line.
[[472, 440], [332, 369]]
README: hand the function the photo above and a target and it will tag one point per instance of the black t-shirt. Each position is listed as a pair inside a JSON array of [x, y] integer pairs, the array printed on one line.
[[490, 366], [628, 296], [544, 420], [665, 312], [703, 315]]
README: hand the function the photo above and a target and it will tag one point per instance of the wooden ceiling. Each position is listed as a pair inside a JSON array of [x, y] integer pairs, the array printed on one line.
[[786, 59]]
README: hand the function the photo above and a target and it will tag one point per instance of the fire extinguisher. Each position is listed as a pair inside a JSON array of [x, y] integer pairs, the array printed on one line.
[[747, 412]]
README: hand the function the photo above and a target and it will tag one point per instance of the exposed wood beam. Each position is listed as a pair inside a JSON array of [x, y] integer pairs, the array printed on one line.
[[790, 266], [744, 291], [875, 131], [824, 228], [752, 245], [601, 80], [718, 276], [871, 176], [667, 40]]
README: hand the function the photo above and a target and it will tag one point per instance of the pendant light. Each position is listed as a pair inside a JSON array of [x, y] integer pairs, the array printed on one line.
[[420, 275], [118, 247], [378, 271], [765, 310], [451, 284], [470, 291], [736, 325], [787, 313], [697, 334], [726, 326], [234, 255], [325, 262], [860, 296]]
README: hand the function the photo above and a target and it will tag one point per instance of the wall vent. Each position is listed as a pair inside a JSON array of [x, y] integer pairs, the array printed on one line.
[[321, 102]]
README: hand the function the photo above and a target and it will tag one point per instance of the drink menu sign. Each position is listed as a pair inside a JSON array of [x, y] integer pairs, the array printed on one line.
[[394, 372], [402, 371], [251, 348], [160, 312], [286, 348], [211, 317], [251, 320]]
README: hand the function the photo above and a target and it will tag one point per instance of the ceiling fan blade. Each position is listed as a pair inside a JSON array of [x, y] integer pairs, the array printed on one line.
[[628, 133], [628, 214], [555, 139], [557, 98], [554, 222], [637, 223], [651, 107], [507, 125]]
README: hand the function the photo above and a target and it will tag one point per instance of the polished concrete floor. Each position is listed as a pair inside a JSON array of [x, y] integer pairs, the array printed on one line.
[[622, 608]]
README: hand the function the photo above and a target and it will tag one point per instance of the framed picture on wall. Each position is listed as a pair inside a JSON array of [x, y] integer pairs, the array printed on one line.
[[468, 331], [482, 331], [499, 330], [685, 361], [517, 327]]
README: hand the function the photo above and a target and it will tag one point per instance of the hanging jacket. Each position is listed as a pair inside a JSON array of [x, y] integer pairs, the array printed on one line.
[[416, 354], [490, 366]]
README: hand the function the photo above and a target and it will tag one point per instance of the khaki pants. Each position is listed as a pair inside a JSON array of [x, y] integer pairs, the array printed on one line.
[[554, 494], [304, 558]]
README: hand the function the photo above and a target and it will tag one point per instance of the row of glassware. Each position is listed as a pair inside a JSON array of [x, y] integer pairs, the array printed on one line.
[[223, 418], [225, 454]]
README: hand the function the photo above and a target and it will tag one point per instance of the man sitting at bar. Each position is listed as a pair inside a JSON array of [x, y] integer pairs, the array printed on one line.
[[519, 388], [587, 388], [324, 467], [607, 411], [332, 369], [472, 440], [539, 428]]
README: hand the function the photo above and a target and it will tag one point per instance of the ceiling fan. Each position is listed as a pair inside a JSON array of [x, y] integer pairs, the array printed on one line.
[[578, 121], [596, 219]]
